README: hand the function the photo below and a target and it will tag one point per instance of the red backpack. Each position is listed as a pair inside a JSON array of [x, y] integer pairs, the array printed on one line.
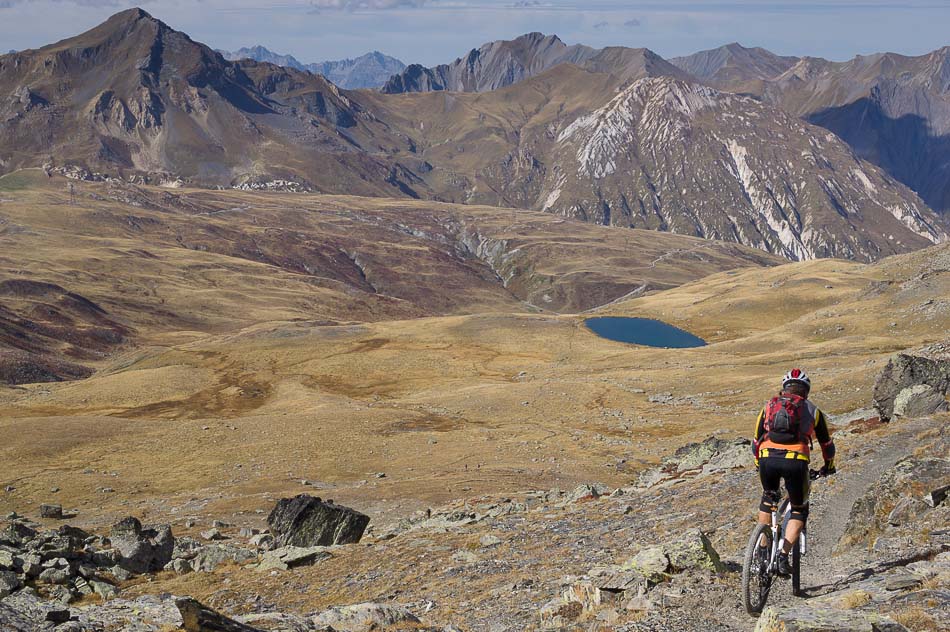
[[783, 419]]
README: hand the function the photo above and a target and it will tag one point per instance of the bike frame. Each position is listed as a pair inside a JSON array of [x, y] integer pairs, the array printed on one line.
[[778, 530]]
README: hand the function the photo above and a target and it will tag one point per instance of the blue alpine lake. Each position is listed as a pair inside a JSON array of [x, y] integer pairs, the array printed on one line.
[[643, 331]]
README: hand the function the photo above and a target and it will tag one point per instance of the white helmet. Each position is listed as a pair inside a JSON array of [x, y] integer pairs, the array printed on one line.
[[796, 376]]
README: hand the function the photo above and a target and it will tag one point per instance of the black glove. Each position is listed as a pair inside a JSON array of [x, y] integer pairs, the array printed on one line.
[[827, 470]]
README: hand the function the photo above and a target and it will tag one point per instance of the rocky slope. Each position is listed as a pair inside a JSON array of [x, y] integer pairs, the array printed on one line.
[[892, 109], [671, 155], [505, 62], [629, 558], [664, 154], [371, 70]]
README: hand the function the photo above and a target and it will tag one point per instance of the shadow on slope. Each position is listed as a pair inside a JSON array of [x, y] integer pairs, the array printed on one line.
[[904, 147], [47, 331]]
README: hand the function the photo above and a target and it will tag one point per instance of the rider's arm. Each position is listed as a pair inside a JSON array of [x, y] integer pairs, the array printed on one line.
[[757, 435], [824, 439]]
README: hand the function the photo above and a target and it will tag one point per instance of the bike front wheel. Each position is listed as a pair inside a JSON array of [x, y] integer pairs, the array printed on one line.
[[756, 577]]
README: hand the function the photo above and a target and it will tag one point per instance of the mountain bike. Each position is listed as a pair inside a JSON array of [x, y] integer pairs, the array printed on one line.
[[760, 566]]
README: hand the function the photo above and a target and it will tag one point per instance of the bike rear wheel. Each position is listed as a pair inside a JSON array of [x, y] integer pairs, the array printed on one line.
[[756, 578]]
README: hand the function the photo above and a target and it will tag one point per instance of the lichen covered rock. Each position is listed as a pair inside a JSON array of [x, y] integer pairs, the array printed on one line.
[[307, 521], [901, 380], [805, 619]]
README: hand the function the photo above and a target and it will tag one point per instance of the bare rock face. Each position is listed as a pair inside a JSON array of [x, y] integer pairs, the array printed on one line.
[[142, 550], [908, 499], [307, 521], [914, 383]]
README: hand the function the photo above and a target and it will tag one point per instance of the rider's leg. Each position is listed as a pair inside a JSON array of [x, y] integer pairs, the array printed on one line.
[[770, 479], [798, 485], [792, 532]]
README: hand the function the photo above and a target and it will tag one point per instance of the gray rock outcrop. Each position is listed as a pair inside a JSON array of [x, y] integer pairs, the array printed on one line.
[[199, 618], [914, 383], [288, 557], [307, 521], [364, 617], [805, 619], [142, 550], [907, 498]]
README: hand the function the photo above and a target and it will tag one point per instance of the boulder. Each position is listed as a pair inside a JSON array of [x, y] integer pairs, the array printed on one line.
[[279, 621], [364, 617], [261, 540], [9, 582], [213, 534], [585, 492], [179, 566], [142, 550], [307, 521], [199, 618], [693, 551], [16, 534], [58, 576], [652, 562], [934, 497], [906, 510], [104, 589], [58, 615], [211, 556], [288, 557], [186, 547], [805, 619], [712, 454], [53, 512], [927, 366], [919, 400]]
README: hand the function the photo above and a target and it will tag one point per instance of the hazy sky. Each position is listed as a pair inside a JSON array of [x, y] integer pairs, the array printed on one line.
[[434, 31]]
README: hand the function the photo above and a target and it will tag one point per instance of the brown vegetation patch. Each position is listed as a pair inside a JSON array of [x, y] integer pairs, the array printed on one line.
[[427, 422]]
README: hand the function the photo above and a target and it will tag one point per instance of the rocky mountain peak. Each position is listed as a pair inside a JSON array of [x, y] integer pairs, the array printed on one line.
[[734, 62], [504, 62]]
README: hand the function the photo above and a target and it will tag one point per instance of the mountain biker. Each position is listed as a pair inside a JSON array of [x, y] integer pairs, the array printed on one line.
[[782, 442]]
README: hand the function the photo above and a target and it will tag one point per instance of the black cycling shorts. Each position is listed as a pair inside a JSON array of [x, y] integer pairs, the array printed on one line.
[[772, 470]]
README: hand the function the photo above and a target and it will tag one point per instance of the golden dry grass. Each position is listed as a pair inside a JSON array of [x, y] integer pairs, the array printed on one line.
[[854, 599], [916, 619], [240, 389]]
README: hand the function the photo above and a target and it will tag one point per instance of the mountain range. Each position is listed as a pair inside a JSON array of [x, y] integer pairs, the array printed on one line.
[[616, 136], [371, 70], [893, 110], [503, 63]]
